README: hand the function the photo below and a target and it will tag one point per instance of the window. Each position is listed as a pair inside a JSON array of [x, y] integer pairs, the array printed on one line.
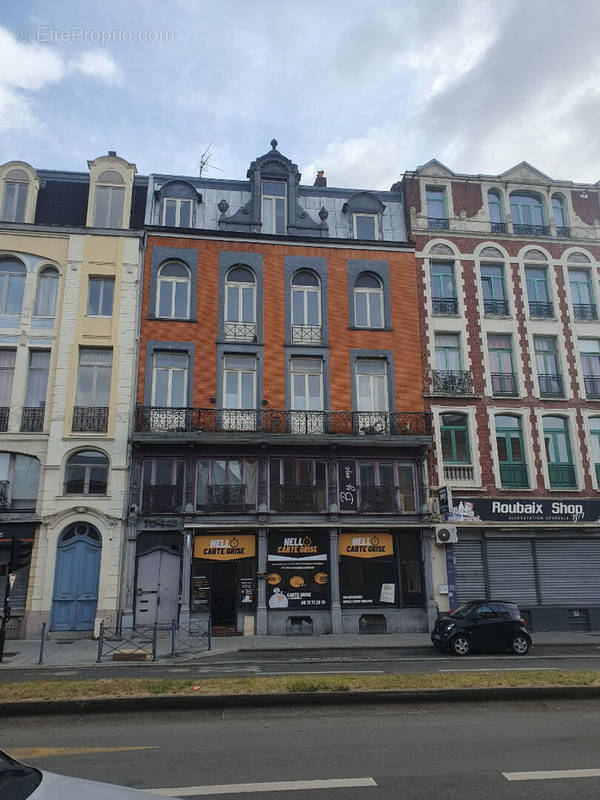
[[298, 484], [454, 435], [368, 301], [100, 297], [443, 291], [511, 453], [86, 473], [527, 214], [47, 293], [19, 481], [448, 375], [502, 371], [362, 580], [589, 352], [108, 200], [306, 308], [379, 486], [12, 286], [274, 195], [14, 201], [365, 226], [538, 292], [163, 484], [93, 378], [226, 484], [37, 387], [7, 369], [240, 304], [496, 212], [582, 294], [558, 453], [176, 213], [595, 434], [306, 379], [559, 215], [169, 379], [495, 302], [173, 295], [437, 215], [546, 360], [239, 392]]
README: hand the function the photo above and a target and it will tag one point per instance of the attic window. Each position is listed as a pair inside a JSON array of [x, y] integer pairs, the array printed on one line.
[[14, 201], [365, 226], [273, 206]]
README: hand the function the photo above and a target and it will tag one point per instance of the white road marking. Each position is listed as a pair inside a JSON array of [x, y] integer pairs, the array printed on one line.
[[496, 669], [328, 672], [271, 786], [552, 774]]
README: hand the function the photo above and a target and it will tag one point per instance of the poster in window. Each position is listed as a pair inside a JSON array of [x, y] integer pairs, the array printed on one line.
[[298, 576]]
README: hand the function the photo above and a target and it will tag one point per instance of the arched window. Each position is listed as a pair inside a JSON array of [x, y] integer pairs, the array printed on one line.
[[109, 199], [173, 295], [14, 200], [496, 211], [368, 301], [12, 285], [240, 304], [561, 469], [527, 213], [47, 292], [86, 473], [306, 307], [511, 453], [560, 216]]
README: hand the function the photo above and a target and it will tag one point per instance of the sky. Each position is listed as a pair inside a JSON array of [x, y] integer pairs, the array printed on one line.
[[361, 91]]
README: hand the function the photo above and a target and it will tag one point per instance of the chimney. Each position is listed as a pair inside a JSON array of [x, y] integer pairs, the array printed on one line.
[[320, 180], [112, 152]]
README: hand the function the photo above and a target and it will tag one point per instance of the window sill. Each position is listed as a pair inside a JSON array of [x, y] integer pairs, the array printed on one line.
[[361, 328], [171, 319], [83, 496], [98, 316]]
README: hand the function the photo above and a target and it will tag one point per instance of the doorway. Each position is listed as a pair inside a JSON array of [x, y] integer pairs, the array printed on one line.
[[224, 594], [76, 579], [157, 594]]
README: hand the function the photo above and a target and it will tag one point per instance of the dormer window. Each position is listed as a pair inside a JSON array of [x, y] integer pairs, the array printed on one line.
[[109, 199], [559, 216], [14, 200], [177, 213], [366, 226], [274, 197]]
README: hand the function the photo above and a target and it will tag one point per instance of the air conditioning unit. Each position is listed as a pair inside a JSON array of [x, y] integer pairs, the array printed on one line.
[[446, 534]]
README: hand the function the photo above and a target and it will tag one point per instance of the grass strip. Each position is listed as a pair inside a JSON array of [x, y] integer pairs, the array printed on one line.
[[143, 687]]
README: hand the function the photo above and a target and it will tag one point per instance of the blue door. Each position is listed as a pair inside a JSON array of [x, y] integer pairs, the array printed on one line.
[[76, 579]]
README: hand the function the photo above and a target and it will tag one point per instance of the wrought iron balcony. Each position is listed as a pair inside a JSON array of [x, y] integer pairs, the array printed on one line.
[[499, 227], [514, 476], [240, 331], [563, 231], [504, 384], [592, 386], [438, 223], [162, 499], [32, 420], [562, 476], [531, 230], [445, 305], [496, 308], [90, 419], [378, 498], [154, 419], [585, 311], [307, 334], [4, 412], [451, 381], [297, 497], [459, 473], [551, 386], [226, 497], [541, 310]]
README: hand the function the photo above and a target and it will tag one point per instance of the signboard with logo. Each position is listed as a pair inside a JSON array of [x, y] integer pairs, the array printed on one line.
[[224, 547], [444, 494], [298, 571], [366, 545], [501, 509], [347, 485]]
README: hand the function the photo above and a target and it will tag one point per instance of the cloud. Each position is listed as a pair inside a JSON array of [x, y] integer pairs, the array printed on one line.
[[97, 64]]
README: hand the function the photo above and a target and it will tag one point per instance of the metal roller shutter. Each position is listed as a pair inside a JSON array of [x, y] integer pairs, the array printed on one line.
[[511, 571], [569, 571], [470, 579]]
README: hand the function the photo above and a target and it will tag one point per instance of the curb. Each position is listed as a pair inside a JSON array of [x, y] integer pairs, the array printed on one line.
[[23, 708]]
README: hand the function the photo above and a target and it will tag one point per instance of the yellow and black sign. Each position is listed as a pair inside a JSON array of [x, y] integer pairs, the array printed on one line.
[[221, 547], [366, 545]]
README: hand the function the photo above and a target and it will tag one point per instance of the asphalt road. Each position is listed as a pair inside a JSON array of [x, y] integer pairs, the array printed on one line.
[[464, 752], [305, 662]]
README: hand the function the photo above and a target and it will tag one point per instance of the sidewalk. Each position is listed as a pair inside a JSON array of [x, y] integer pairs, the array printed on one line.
[[83, 652]]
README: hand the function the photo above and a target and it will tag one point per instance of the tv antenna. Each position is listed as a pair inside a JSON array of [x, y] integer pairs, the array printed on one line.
[[204, 162]]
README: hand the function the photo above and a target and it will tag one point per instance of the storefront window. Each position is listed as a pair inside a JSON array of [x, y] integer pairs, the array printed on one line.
[[298, 571], [409, 558], [224, 575]]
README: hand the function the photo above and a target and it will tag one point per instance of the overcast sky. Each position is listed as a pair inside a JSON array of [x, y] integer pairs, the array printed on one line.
[[363, 91]]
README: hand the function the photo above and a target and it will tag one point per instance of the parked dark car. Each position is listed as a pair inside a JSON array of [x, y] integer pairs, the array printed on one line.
[[482, 625]]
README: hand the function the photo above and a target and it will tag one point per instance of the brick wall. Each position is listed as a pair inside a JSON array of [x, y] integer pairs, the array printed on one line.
[[587, 209], [466, 197]]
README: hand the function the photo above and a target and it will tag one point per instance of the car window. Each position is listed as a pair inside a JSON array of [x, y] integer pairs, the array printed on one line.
[[501, 610], [17, 781], [462, 612], [485, 612]]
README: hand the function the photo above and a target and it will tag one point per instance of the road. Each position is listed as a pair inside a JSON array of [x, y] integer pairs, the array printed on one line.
[[357, 661], [464, 752]]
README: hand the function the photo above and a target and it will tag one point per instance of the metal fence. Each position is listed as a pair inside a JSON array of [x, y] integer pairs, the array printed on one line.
[[151, 642]]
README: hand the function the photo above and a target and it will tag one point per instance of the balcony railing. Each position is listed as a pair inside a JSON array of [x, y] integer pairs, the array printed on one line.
[[226, 497], [514, 476], [297, 497], [459, 473], [4, 412], [499, 227], [592, 386], [562, 476], [378, 498], [531, 230], [438, 223], [551, 386], [32, 419], [307, 334], [541, 310], [496, 308], [563, 231], [504, 384], [90, 419], [445, 305], [162, 498], [240, 331], [585, 311], [454, 381], [154, 419]]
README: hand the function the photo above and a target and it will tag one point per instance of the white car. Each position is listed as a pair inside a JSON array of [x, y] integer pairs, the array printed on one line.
[[21, 782]]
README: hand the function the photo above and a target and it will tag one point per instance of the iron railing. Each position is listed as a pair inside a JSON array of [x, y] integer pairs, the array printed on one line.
[[4, 493], [90, 419], [4, 412], [155, 419], [585, 311], [307, 334], [541, 310], [444, 305], [514, 476], [226, 497], [162, 498], [297, 497], [551, 385], [592, 385], [438, 223], [499, 227], [531, 230], [459, 473], [496, 308], [378, 498], [563, 231], [240, 331], [451, 381], [32, 419], [562, 476], [504, 384]]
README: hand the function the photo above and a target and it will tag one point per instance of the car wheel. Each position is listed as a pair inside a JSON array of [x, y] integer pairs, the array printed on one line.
[[461, 646], [520, 644]]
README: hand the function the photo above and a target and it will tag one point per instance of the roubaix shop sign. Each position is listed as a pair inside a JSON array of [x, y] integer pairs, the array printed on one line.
[[512, 509]]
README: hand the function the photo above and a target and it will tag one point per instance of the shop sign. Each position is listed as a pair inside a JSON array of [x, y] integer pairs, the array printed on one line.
[[298, 571], [347, 485], [222, 547], [366, 545], [444, 494], [502, 509], [298, 547]]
